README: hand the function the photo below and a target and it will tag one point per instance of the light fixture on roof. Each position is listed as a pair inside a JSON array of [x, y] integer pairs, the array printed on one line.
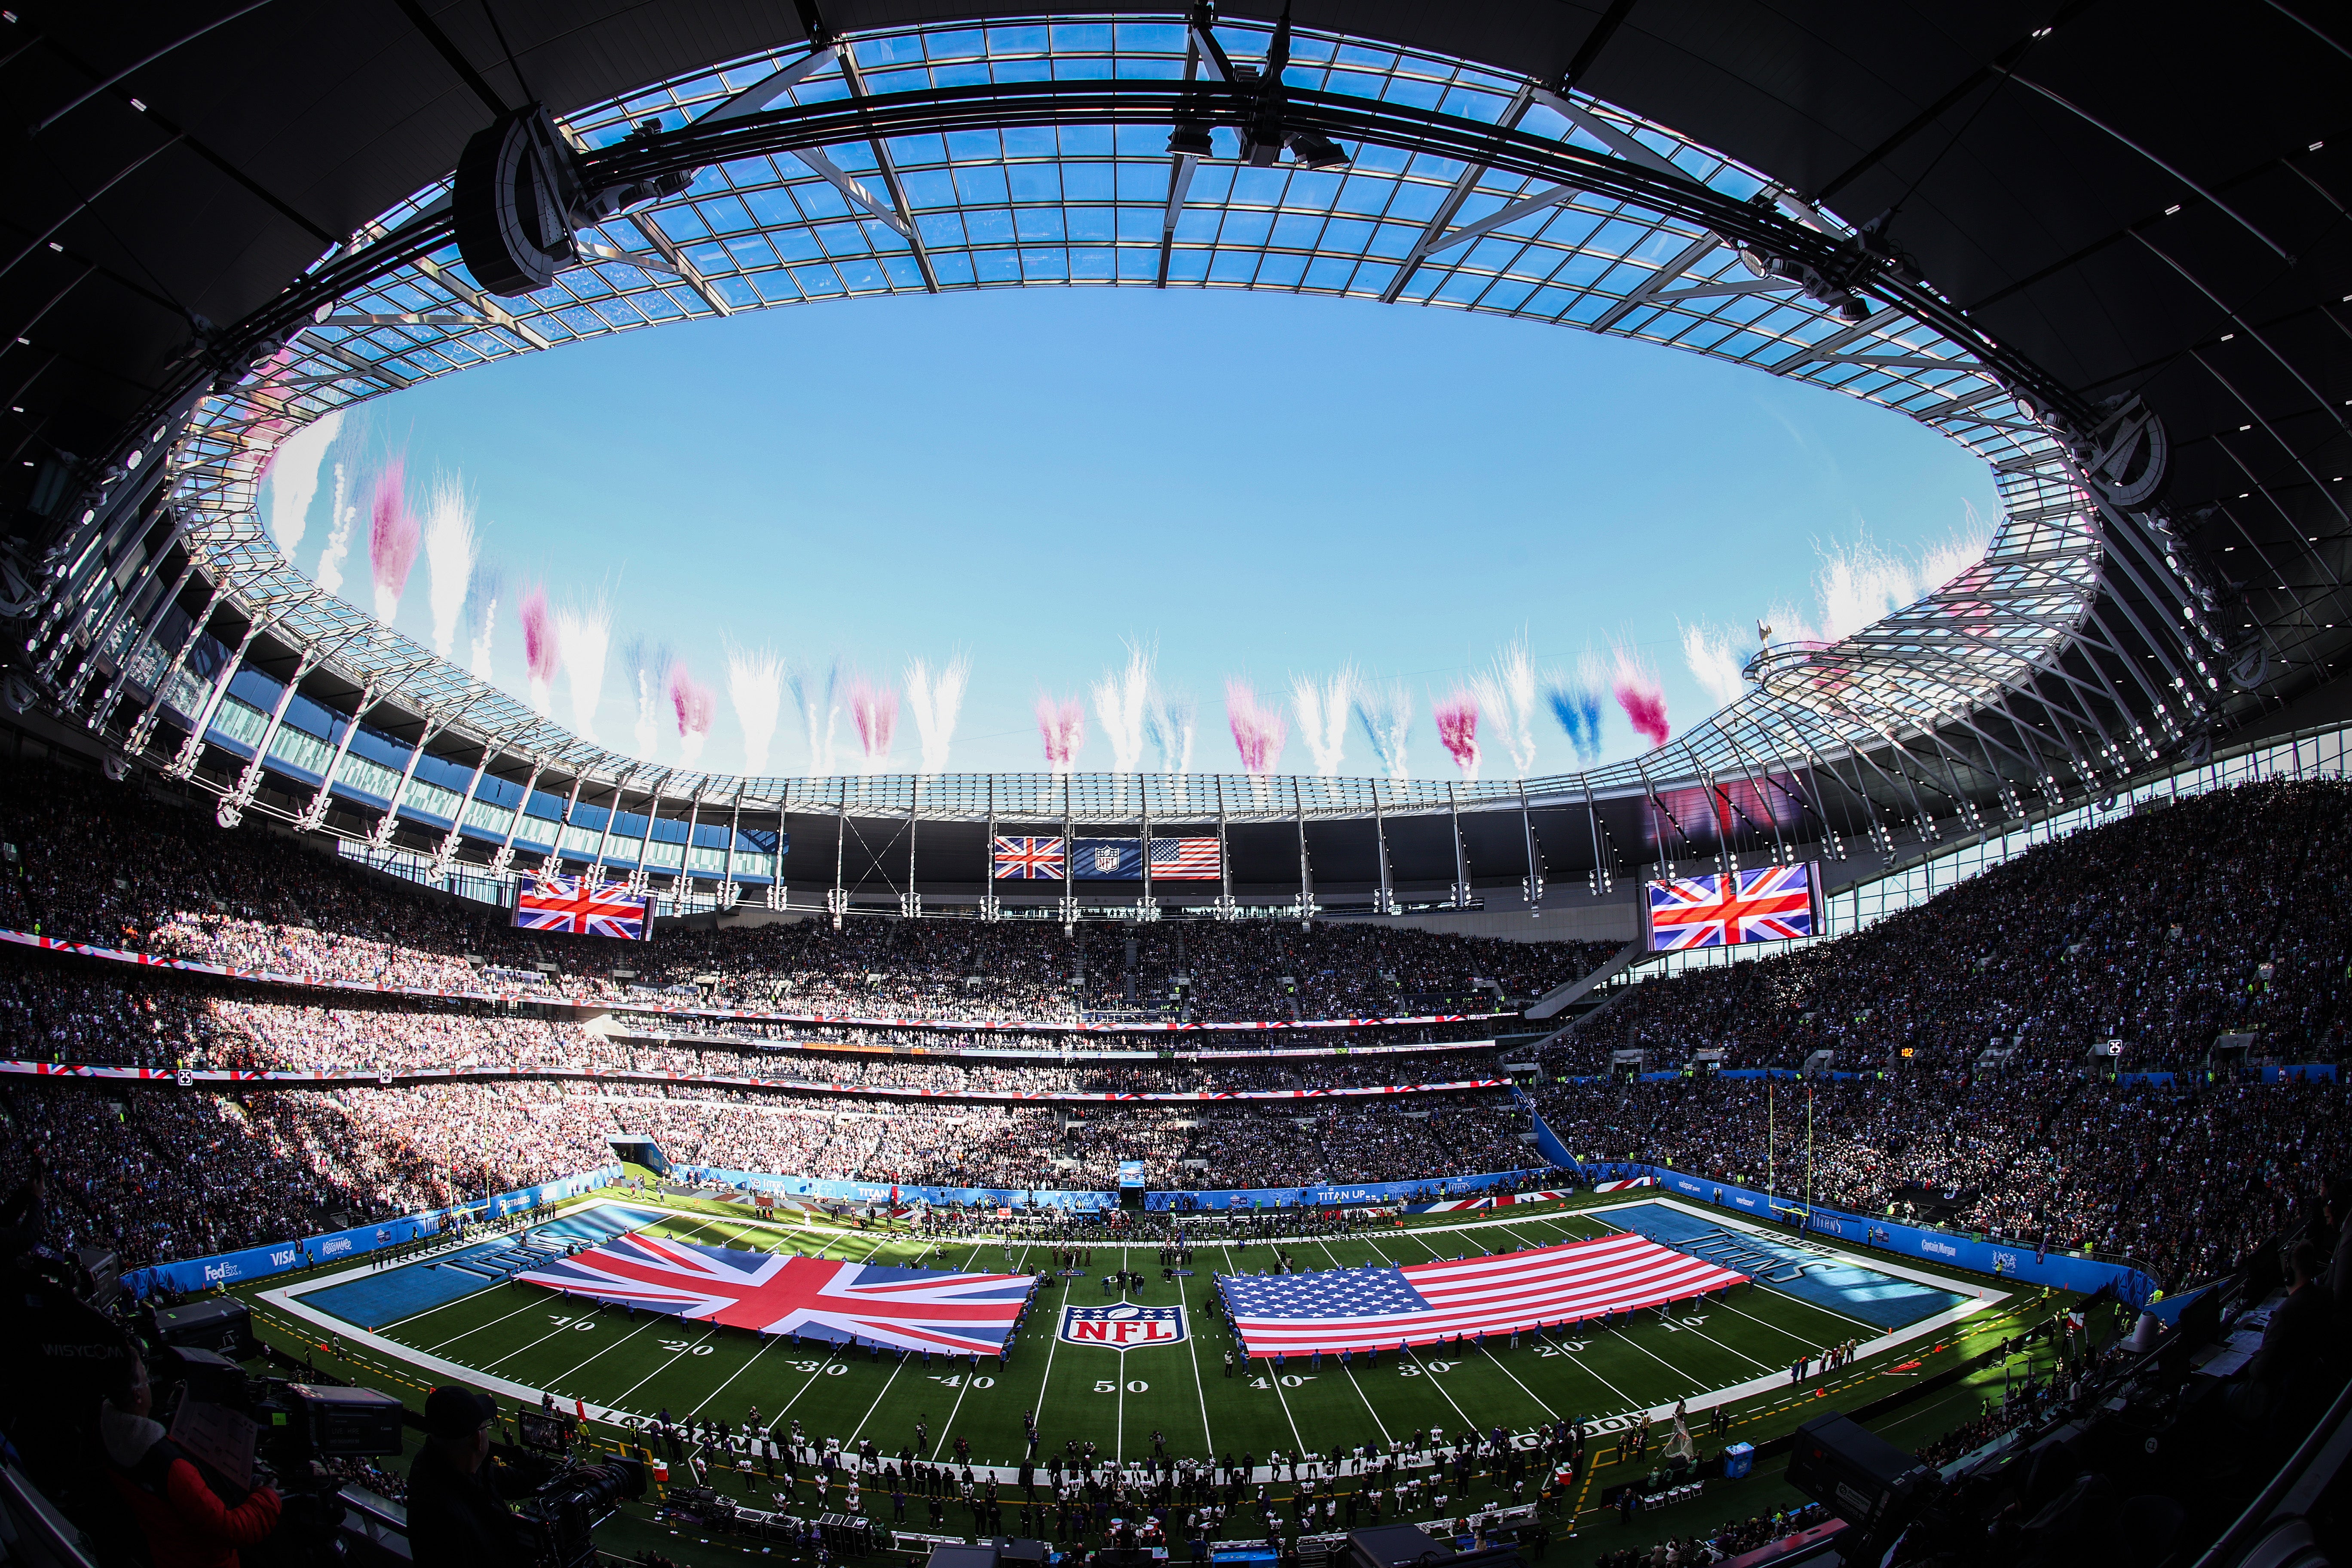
[[1191, 141], [1313, 150]]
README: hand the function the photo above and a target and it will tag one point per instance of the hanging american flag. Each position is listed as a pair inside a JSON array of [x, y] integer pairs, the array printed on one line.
[[1019, 860], [1421, 1303], [1187, 859], [1769, 905], [824, 1299], [572, 904]]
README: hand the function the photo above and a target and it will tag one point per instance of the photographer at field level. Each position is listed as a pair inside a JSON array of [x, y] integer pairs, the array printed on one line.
[[455, 1515], [186, 1522]]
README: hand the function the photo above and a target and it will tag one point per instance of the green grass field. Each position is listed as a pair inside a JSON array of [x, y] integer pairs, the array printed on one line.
[[527, 1337]]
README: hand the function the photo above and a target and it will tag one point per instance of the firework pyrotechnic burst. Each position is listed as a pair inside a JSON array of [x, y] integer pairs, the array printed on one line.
[[648, 663], [1171, 723], [1457, 729], [292, 478], [1507, 699], [937, 698], [1260, 731], [755, 685], [392, 539], [542, 648], [817, 696], [1385, 715], [1322, 709], [1639, 693], [329, 575], [1119, 696], [482, 614], [584, 631], [1575, 701], [694, 704], [1062, 726], [874, 709], [1714, 663], [450, 551]]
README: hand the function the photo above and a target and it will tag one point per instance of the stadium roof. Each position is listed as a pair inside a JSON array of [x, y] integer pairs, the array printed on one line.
[[1995, 218]]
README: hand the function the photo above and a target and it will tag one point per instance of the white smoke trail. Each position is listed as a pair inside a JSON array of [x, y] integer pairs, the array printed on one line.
[[936, 699], [1506, 703], [450, 551], [818, 698], [345, 513], [584, 632], [1713, 663], [1322, 709], [755, 680], [482, 616], [1949, 557], [648, 663], [1119, 696], [293, 479], [1385, 715]]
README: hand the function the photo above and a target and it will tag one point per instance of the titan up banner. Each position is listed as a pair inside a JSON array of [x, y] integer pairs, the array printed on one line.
[[889, 1194], [308, 1252], [1241, 1199], [2008, 1260]]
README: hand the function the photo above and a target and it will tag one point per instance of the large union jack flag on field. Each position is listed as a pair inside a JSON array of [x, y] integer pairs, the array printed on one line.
[[823, 1298], [1769, 905], [1423, 1303], [1019, 860], [569, 903]]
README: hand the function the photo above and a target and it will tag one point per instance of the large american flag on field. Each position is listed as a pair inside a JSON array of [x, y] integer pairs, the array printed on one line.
[[824, 1299], [572, 904], [1422, 1303], [1187, 859], [1769, 905], [1019, 860]]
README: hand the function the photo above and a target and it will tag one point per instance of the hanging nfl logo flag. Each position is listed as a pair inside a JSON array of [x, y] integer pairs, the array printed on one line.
[[1024, 860], [1123, 1328], [1106, 861], [583, 909]]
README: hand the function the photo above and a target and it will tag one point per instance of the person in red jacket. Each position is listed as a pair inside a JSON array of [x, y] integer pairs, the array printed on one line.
[[186, 1523]]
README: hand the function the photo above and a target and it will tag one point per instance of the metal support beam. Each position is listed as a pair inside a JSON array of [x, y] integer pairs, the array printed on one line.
[[315, 813], [446, 855], [390, 820], [504, 858], [200, 721], [551, 863], [1385, 901], [130, 655], [231, 810]]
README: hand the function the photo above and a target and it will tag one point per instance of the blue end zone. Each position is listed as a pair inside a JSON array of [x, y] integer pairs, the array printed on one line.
[[1840, 1286], [420, 1287]]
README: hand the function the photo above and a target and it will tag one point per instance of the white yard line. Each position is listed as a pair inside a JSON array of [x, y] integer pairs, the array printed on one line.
[[850, 1442], [617, 1344], [1272, 1381], [1353, 1381], [767, 1343], [478, 1327], [664, 1367]]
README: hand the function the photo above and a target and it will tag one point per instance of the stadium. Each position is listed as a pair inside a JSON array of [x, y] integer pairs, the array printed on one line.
[[1894, 1117]]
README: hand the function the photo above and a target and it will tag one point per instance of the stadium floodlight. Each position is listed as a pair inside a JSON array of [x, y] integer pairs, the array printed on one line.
[[1313, 150], [1191, 140]]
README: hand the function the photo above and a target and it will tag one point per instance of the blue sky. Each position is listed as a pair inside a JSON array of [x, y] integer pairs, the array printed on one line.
[[1256, 487]]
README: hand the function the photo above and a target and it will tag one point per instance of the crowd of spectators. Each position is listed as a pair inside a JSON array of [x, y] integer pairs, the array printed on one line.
[[2228, 912], [103, 863], [1734, 1538]]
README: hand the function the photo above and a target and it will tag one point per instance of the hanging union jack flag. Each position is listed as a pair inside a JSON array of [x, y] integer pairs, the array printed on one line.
[[570, 904], [823, 1298], [1769, 905], [1019, 860]]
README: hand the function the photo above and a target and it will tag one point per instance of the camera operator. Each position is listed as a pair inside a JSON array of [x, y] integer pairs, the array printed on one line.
[[455, 1515], [179, 1509]]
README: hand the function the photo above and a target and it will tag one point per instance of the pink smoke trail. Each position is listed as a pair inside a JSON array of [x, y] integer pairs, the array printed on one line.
[[1062, 724], [694, 704], [875, 710], [393, 537], [1260, 731], [1457, 729], [1644, 700], [541, 657]]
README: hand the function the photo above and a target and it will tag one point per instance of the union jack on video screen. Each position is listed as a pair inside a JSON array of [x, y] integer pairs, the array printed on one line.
[[1771, 905], [1021, 859], [822, 1298], [1423, 1303], [570, 904]]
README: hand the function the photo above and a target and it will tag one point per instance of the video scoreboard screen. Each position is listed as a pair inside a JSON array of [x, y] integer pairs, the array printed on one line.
[[1726, 910], [574, 904]]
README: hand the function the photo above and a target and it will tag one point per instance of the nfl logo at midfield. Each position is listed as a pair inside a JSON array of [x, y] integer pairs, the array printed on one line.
[[1123, 1328]]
